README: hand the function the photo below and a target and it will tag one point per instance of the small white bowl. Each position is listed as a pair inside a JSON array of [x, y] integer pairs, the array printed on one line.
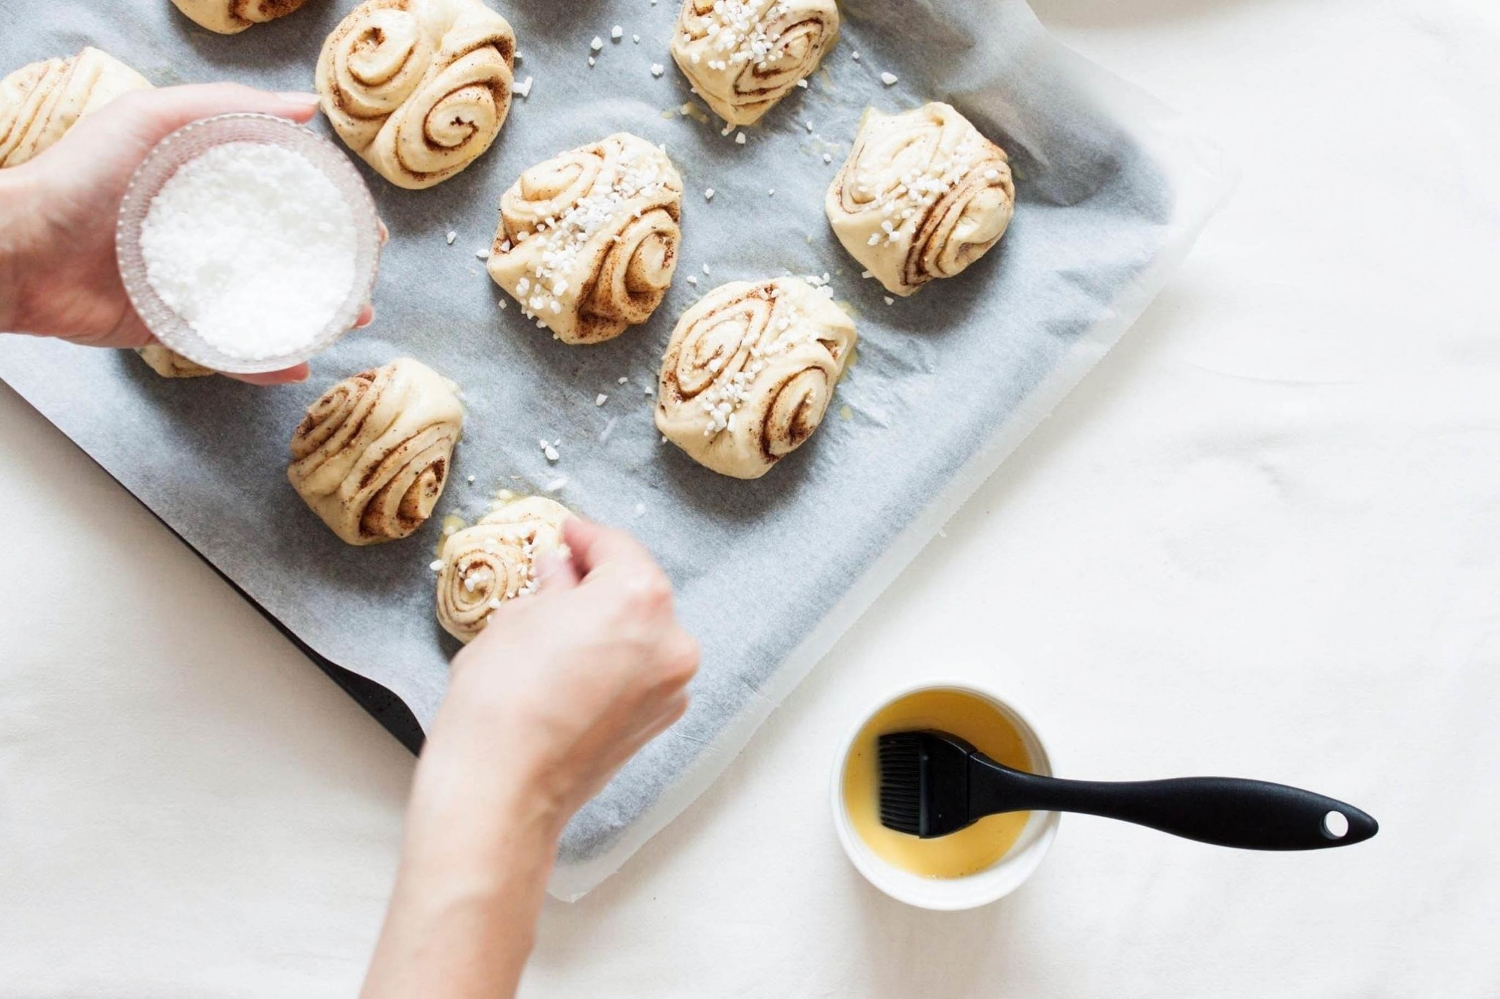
[[994, 882], [192, 141]]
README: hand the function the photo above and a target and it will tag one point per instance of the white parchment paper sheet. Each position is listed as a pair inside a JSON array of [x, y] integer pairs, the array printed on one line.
[[1111, 194]]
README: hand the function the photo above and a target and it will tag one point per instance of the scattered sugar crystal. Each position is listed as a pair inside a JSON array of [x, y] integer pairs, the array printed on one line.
[[739, 139], [889, 79], [253, 246], [708, 195], [657, 69], [600, 399], [524, 89], [617, 32], [597, 43]]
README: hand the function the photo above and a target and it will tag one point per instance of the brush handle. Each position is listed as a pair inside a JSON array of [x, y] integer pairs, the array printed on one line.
[[1224, 811]]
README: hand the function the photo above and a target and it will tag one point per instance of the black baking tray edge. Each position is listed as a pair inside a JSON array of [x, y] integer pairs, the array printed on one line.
[[385, 707]]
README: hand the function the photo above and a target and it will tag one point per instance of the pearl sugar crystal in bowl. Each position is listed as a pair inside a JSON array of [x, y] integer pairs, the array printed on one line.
[[247, 243]]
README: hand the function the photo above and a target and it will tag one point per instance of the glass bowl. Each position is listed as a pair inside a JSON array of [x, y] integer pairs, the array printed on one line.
[[192, 141]]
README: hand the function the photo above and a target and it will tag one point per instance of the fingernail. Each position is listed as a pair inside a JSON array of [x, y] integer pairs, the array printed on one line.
[[548, 564], [300, 98]]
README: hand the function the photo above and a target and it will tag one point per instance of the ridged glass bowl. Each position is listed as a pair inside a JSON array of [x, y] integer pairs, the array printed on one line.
[[194, 140]]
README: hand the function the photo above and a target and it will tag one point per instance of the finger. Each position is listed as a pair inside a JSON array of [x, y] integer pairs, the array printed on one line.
[[130, 331], [135, 122], [595, 547], [288, 376], [555, 572], [366, 317], [173, 107]]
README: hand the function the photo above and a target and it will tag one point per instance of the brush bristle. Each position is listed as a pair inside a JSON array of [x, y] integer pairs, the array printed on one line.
[[901, 782]]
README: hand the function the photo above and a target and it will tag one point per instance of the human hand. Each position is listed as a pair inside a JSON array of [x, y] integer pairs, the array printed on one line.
[[563, 687], [544, 707], [58, 275]]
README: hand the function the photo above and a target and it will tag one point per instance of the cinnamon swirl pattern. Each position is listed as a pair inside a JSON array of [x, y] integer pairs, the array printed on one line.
[[41, 101], [588, 240], [373, 454], [170, 364], [419, 88], [922, 196], [749, 374], [483, 566], [743, 56], [230, 17]]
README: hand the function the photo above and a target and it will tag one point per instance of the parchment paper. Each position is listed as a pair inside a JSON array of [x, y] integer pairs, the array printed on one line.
[[768, 573]]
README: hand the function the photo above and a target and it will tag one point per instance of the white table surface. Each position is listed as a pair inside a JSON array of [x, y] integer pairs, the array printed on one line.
[[1262, 539]]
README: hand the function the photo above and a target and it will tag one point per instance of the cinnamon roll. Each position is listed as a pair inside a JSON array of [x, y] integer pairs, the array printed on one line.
[[230, 17], [749, 374], [419, 88], [588, 240], [41, 101], [483, 566], [922, 196], [743, 56], [373, 454], [169, 364]]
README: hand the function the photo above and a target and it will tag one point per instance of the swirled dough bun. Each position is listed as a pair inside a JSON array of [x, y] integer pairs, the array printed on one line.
[[373, 454], [483, 566], [743, 56], [39, 102], [170, 364], [230, 17], [588, 240], [922, 196], [419, 88], [749, 374]]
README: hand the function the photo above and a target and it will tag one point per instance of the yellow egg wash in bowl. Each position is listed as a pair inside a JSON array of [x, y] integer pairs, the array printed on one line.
[[967, 851]]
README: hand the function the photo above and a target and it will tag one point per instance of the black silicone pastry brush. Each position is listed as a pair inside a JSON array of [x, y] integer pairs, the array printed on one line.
[[933, 784]]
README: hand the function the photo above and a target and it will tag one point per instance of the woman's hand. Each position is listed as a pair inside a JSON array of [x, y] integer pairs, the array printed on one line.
[[583, 674], [58, 275], [560, 690]]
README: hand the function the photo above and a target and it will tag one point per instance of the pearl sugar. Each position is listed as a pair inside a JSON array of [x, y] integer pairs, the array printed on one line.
[[254, 247]]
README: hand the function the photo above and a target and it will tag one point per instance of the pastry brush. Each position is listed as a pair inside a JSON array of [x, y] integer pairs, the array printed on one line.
[[933, 784]]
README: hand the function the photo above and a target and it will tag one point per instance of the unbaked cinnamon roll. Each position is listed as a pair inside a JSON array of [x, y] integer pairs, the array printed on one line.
[[749, 374], [169, 364], [483, 566], [588, 240], [743, 56], [373, 454], [922, 196], [419, 88], [230, 17], [41, 101]]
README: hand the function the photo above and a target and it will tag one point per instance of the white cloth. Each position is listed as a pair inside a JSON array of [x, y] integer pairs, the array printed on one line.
[[1260, 539]]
